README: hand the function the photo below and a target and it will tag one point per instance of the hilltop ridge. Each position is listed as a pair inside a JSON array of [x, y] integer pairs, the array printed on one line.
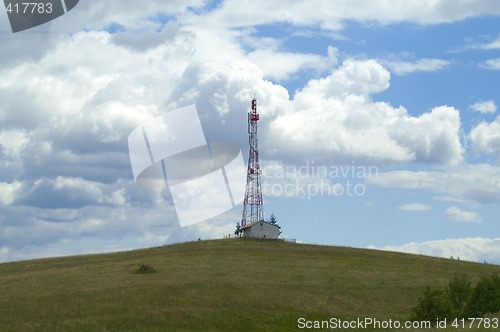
[[219, 285]]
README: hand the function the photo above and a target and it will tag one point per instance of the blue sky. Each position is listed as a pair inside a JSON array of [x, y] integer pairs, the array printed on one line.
[[407, 88]]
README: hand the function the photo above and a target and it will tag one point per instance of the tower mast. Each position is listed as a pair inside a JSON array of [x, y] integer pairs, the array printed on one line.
[[252, 205]]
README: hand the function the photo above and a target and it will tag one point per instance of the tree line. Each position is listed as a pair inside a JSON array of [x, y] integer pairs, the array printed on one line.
[[459, 299]]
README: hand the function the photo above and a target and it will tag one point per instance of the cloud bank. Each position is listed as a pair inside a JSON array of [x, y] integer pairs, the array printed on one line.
[[70, 101]]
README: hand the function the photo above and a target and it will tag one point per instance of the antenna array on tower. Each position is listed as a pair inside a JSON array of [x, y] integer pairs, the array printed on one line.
[[253, 204]]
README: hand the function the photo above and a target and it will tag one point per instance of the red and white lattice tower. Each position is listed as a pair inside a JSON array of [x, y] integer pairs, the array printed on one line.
[[252, 205]]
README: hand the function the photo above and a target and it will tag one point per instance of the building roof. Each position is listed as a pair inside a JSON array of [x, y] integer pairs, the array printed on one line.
[[256, 222]]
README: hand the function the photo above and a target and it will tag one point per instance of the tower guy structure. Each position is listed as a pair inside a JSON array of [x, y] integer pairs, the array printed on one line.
[[253, 204]]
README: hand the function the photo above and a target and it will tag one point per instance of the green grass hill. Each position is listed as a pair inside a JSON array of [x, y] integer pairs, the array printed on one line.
[[219, 285]]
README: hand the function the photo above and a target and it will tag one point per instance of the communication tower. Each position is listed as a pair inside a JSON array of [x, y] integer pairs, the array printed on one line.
[[253, 204]]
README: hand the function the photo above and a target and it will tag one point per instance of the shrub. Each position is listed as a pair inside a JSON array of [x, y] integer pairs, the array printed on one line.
[[485, 297], [459, 300], [143, 268], [432, 305], [459, 291]]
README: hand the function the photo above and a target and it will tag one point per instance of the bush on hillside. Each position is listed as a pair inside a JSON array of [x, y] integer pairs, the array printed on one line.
[[485, 297], [143, 268], [459, 300], [459, 291], [433, 304]]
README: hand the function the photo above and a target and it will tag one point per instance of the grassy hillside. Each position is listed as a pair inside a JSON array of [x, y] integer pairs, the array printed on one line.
[[233, 285]]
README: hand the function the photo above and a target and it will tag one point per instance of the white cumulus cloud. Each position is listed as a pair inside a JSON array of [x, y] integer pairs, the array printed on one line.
[[406, 67], [473, 183], [484, 107], [485, 137], [414, 207], [331, 14], [335, 118], [493, 45], [475, 249], [492, 64], [459, 215], [279, 65], [8, 192]]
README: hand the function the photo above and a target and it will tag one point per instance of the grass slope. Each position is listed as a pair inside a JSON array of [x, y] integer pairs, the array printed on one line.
[[233, 285]]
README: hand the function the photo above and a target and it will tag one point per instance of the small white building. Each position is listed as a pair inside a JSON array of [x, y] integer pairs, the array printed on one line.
[[261, 230]]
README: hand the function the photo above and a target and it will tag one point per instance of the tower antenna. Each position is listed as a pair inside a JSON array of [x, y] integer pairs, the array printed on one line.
[[253, 204]]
